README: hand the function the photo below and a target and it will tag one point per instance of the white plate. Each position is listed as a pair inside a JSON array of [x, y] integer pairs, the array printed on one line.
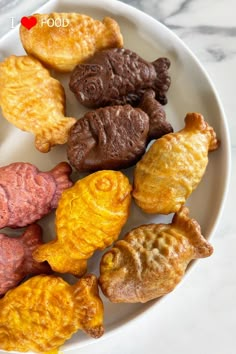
[[191, 90]]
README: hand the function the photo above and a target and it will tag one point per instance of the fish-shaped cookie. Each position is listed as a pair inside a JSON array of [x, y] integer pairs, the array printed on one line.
[[26, 194], [119, 76], [43, 312], [115, 137], [151, 259], [89, 217], [158, 123], [34, 101], [16, 259], [174, 165], [62, 40]]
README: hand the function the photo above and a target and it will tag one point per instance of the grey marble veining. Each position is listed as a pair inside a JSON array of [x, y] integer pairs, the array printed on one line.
[[192, 16], [208, 28]]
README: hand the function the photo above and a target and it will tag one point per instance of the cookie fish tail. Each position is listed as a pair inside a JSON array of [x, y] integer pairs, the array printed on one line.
[[86, 295], [59, 258], [196, 121], [32, 239], [191, 229], [112, 37], [159, 125], [61, 174], [56, 134], [163, 79]]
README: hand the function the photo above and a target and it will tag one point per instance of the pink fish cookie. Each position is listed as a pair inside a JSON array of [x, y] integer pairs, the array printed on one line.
[[26, 194], [16, 259]]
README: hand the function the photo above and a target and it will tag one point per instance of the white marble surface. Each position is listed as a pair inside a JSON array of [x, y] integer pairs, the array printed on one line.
[[199, 317]]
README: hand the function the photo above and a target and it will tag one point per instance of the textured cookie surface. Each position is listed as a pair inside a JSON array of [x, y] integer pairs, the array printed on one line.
[[119, 76], [62, 40], [89, 217], [26, 194], [34, 101], [115, 137], [42, 313], [151, 259], [173, 167]]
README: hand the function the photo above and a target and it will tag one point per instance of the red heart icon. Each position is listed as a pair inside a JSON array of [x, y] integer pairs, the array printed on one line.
[[28, 22]]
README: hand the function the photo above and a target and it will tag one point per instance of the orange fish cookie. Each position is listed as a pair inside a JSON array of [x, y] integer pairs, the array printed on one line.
[[89, 217], [34, 101], [63, 40], [42, 313]]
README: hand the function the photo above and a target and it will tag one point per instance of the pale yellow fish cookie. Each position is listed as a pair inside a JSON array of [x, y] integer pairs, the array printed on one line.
[[34, 101], [173, 167], [151, 259], [89, 217], [42, 313], [62, 40]]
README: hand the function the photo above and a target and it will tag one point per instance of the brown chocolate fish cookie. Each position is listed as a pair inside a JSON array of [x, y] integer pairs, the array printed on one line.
[[119, 76], [115, 137]]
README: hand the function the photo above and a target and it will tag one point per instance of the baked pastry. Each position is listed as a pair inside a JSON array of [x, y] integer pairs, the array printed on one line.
[[115, 137], [26, 194], [16, 259], [62, 40], [34, 101], [119, 76], [42, 313], [151, 259], [173, 167], [89, 217]]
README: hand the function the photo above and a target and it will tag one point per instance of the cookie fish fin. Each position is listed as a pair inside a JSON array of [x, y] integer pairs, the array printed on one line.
[[163, 80], [32, 239], [55, 134], [112, 37], [60, 259], [86, 295], [191, 229], [195, 121]]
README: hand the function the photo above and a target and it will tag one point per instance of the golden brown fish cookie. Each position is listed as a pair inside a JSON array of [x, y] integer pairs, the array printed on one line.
[[89, 217], [151, 259], [42, 313], [34, 101], [173, 167], [62, 40]]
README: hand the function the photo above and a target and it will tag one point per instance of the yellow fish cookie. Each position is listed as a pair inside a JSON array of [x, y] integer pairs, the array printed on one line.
[[42, 313], [89, 217], [34, 101], [62, 40], [173, 167]]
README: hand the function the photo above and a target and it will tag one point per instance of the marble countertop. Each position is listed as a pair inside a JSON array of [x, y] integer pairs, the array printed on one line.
[[200, 317]]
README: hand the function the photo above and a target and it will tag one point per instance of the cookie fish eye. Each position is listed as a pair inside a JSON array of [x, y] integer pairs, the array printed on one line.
[[104, 184], [91, 87]]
